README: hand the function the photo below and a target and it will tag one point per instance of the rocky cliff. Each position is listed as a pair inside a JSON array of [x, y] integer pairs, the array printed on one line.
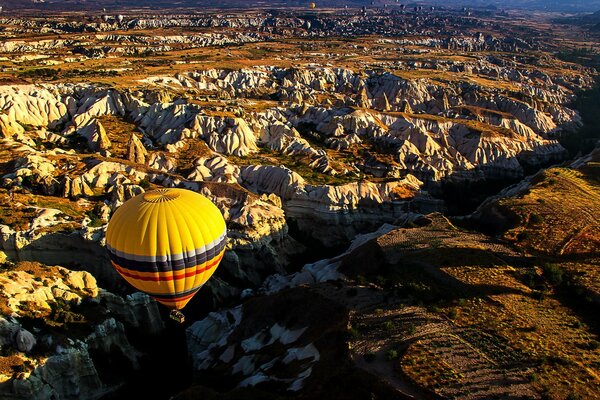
[[58, 326]]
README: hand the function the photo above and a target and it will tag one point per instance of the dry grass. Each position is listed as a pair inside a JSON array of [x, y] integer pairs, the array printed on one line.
[[498, 320], [559, 215], [118, 131], [19, 211]]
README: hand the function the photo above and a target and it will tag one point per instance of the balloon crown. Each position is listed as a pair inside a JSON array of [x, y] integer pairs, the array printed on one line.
[[160, 195]]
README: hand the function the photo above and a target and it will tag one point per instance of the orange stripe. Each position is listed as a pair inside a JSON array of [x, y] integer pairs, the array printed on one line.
[[160, 278], [191, 269]]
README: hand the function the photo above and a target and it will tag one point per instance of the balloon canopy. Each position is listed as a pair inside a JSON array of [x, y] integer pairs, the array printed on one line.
[[167, 243]]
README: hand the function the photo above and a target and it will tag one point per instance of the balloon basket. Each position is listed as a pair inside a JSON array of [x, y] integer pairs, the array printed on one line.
[[177, 316]]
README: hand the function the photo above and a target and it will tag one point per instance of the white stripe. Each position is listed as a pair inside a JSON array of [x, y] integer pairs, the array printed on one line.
[[168, 257]]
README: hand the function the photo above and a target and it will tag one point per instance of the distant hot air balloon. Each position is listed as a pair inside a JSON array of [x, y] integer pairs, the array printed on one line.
[[312, 6], [119, 18], [167, 243]]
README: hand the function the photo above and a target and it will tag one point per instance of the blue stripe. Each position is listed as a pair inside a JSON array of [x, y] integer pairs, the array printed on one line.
[[172, 296], [188, 260]]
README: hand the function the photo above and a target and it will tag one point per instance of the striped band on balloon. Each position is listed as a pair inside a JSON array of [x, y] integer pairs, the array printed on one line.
[[161, 285], [169, 262], [172, 299]]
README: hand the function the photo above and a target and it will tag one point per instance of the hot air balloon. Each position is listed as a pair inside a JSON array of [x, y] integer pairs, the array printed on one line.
[[167, 243], [312, 6]]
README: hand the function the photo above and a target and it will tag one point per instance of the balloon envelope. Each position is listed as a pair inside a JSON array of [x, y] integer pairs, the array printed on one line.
[[167, 243]]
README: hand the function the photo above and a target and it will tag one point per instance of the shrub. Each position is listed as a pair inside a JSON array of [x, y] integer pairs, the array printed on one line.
[[553, 273], [433, 309], [523, 236], [593, 345], [95, 220], [353, 333], [533, 377], [435, 243], [535, 219], [42, 73], [144, 184], [369, 357], [391, 355]]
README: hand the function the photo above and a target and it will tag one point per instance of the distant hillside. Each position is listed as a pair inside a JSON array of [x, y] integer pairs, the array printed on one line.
[[78, 5]]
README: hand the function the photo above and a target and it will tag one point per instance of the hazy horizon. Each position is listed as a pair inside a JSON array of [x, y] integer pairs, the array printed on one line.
[[76, 5]]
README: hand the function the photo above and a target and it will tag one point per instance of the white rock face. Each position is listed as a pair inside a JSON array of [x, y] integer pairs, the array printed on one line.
[[84, 245], [70, 374], [453, 146], [214, 168], [225, 135], [349, 207], [323, 270], [65, 369], [209, 344]]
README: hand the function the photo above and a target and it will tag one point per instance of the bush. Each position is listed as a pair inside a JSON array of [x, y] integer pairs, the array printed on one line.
[[95, 220], [523, 236], [391, 355], [533, 377], [144, 184], [435, 243], [535, 219], [353, 333], [553, 273], [433, 309], [42, 73], [389, 326], [593, 345], [369, 357]]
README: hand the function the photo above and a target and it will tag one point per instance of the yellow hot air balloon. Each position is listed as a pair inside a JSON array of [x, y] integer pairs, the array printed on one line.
[[312, 6], [167, 243]]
